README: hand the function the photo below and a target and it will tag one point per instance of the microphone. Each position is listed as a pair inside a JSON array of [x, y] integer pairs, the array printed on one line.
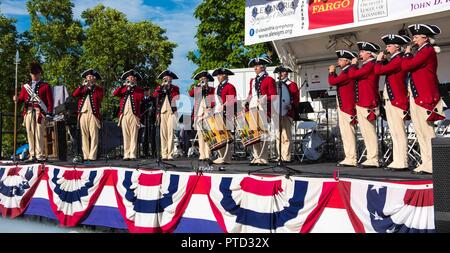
[[385, 52]]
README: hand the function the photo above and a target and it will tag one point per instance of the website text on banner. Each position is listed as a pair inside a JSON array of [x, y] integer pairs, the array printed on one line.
[[276, 20]]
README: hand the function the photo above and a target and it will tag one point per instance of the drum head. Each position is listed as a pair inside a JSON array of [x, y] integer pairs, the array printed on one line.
[[312, 146], [285, 101]]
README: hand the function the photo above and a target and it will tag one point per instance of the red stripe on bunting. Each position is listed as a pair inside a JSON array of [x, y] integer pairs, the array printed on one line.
[[419, 198], [345, 192], [150, 179], [325, 195], [335, 200], [260, 187], [182, 205]]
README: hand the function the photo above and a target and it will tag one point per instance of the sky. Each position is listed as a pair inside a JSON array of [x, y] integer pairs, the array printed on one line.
[[176, 16]]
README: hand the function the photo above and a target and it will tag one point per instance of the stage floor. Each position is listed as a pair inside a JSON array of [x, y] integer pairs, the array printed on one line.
[[242, 167]]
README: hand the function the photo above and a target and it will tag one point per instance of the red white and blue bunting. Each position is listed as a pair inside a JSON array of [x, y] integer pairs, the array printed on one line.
[[73, 192], [17, 186], [147, 201]]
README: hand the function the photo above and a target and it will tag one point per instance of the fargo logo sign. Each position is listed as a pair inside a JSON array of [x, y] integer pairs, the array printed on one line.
[[325, 13]]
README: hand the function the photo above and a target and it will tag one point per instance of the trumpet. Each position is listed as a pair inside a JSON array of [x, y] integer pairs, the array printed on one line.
[[165, 82], [129, 83]]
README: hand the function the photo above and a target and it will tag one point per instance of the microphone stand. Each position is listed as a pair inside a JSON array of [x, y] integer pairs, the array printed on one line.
[[105, 127], [280, 165], [159, 160]]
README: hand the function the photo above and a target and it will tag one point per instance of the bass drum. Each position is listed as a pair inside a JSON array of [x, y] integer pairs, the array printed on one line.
[[312, 146]]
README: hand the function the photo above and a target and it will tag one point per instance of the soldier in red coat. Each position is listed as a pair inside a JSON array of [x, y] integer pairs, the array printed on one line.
[[395, 97], [166, 96], [131, 97], [346, 105], [226, 105], [90, 97], [203, 95], [287, 120], [38, 103], [367, 99], [425, 103], [262, 88]]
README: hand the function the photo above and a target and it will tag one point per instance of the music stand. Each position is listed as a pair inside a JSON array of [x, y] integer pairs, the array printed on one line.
[[328, 102], [316, 94], [289, 171]]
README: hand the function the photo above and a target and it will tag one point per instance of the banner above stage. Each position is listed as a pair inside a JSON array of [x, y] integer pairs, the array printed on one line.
[[270, 20]]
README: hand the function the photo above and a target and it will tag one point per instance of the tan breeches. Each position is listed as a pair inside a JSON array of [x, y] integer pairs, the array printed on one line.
[[203, 147], [286, 138], [130, 130], [348, 137], [166, 134], [396, 124], [369, 134], [424, 132], [89, 126], [35, 135]]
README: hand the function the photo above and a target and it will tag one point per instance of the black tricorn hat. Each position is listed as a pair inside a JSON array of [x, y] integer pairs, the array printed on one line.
[[282, 68], [222, 71], [424, 29], [259, 61], [167, 73], [35, 68], [368, 46], [396, 39], [204, 73], [91, 72], [131, 72], [346, 54]]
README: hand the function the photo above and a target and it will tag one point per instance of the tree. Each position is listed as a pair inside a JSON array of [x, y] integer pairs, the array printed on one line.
[[10, 42], [220, 36], [114, 45], [57, 40]]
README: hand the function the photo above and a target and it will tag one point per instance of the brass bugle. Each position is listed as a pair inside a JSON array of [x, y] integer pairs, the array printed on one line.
[[413, 45]]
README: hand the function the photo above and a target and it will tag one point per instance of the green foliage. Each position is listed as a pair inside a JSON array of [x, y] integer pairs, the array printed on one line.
[[56, 39], [107, 41], [10, 42], [114, 45], [220, 36]]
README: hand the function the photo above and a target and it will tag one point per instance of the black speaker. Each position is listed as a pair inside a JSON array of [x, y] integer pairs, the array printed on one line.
[[441, 183]]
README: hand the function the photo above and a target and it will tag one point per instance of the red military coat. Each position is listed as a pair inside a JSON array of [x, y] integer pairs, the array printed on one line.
[[366, 84], [96, 98], [172, 95], [227, 94], [295, 96], [44, 91], [424, 81], [196, 92], [395, 81], [345, 91], [136, 94], [266, 87]]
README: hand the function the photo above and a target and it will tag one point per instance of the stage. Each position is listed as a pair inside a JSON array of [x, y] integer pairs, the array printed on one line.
[[306, 169], [144, 197]]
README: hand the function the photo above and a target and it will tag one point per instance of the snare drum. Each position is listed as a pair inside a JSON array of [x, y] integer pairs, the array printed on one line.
[[214, 131], [251, 128]]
